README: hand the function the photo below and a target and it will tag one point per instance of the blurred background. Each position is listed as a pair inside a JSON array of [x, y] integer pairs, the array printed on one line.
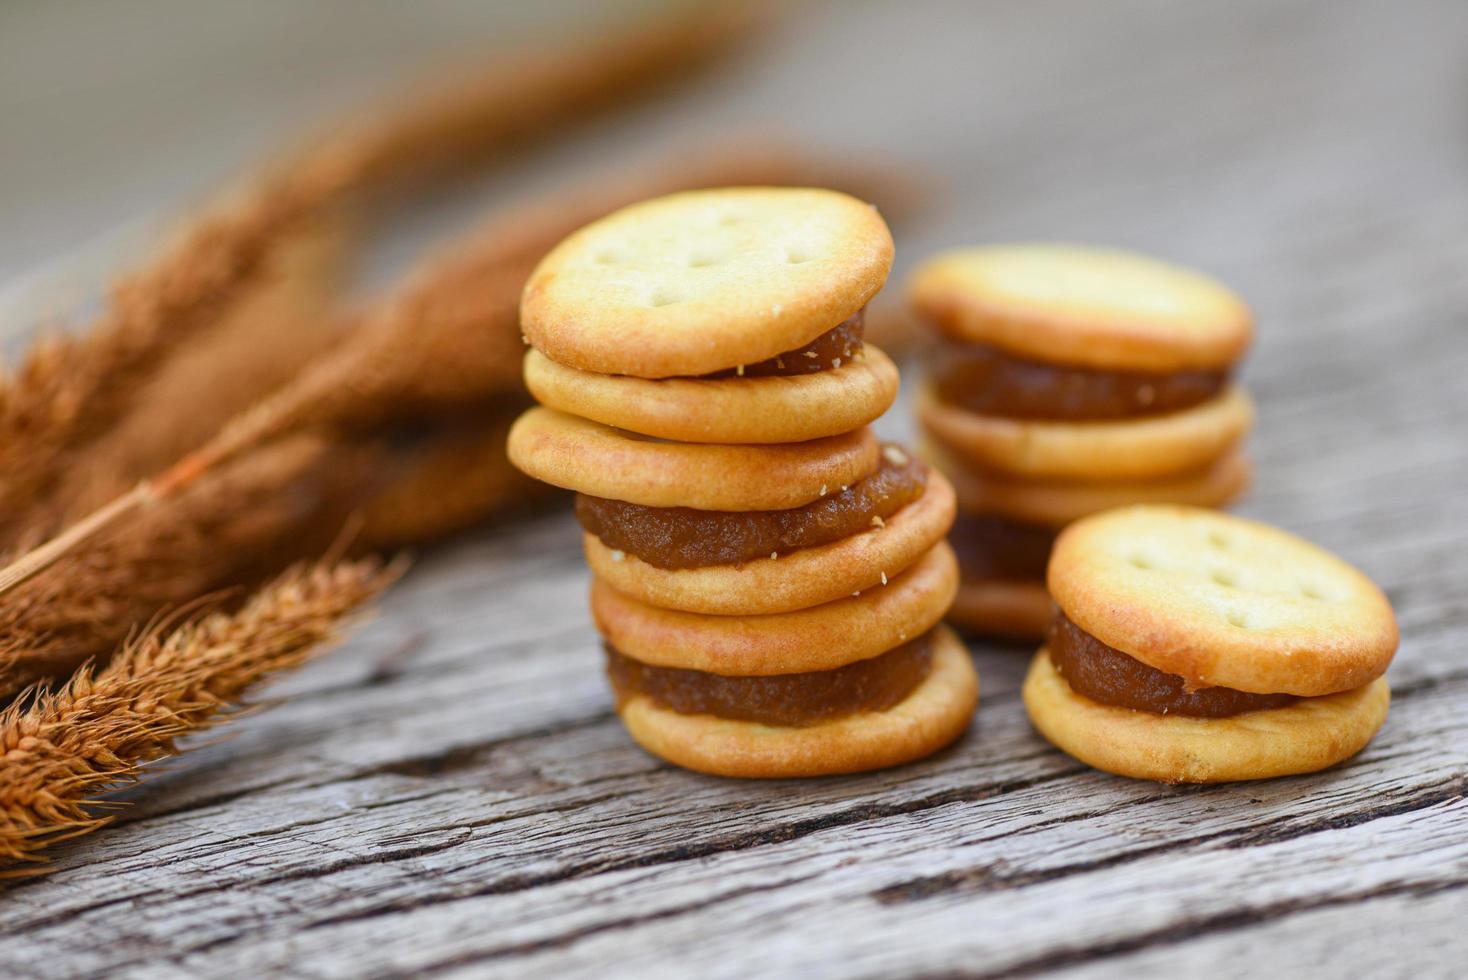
[[1194, 130]]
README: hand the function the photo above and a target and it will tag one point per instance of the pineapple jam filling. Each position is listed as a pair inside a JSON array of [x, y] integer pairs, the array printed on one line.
[[681, 537], [991, 547], [778, 699], [1108, 676], [988, 381], [840, 345]]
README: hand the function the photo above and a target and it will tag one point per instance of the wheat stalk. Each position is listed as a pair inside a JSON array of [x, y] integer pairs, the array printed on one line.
[[77, 386], [260, 342], [60, 749], [242, 523]]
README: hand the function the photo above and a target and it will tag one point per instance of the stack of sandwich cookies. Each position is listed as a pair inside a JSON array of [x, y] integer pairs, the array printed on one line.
[[770, 580], [1069, 381], [1192, 646]]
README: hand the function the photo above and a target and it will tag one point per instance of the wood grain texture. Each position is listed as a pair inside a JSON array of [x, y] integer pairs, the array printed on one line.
[[451, 794]]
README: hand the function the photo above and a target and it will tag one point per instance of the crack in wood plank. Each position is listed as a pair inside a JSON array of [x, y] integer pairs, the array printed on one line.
[[706, 848], [991, 878], [1193, 929]]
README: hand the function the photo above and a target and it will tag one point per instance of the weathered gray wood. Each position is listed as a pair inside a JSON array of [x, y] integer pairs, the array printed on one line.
[[451, 793]]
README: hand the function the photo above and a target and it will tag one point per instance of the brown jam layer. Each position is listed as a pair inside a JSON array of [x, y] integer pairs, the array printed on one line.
[[778, 699], [989, 381], [990, 547], [835, 347], [1106, 675], [681, 537]]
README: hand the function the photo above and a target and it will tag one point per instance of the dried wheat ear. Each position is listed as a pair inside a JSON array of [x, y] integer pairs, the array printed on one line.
[[60, 749]]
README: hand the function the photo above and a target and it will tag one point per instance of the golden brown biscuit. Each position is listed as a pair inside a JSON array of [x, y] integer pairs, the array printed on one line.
[[822, 637], [1057, 503], [591, 458], [1127, 450], [701, 281], [788, 582], [1222, 601], [1088, 307], [790, 408], [1306, 736], [1010, 610], [929, 718]]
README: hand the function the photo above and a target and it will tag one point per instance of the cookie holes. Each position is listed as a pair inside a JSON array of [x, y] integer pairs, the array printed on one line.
[[1142, 562], [1225, 578], [1237, 614], [1219, 540], [663, 297], [1310, 591], [608, 257], [728, 220], [796, 256]]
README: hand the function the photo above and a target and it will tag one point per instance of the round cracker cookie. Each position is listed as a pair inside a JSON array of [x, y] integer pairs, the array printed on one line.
[[1222, 601], [703, 281], [936, 713], [1089, 307], [1307, 736], [1099, 452], [785, 583], [1058, 503], [1002, 608], [578, 454], [823, 637], [790, 408]]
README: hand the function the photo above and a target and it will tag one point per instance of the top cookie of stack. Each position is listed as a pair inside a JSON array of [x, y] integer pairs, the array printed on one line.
[[767, 576], [766, 285], [1072, 380]]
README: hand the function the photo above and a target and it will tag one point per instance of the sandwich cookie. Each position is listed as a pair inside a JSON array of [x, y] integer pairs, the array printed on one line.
[[772, 562], [1081, 363], [900, 706], [1068, 381], [820, 637], [752, 333], [1192, 646], [705, 281]]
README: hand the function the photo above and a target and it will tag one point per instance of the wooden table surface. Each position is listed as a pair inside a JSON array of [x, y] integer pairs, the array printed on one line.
[[451, 793]]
